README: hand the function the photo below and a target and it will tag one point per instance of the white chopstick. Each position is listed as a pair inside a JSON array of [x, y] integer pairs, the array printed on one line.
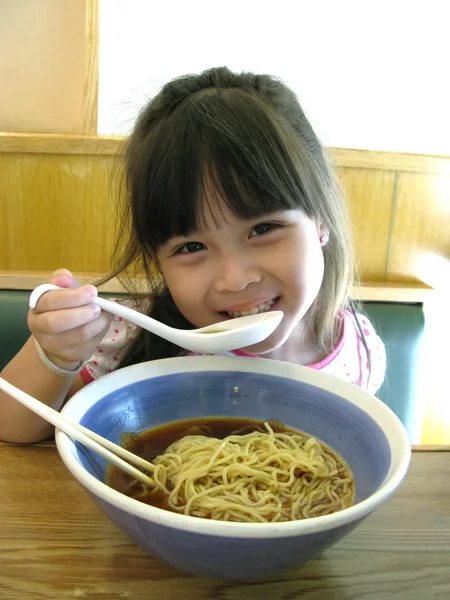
[[110, 451]]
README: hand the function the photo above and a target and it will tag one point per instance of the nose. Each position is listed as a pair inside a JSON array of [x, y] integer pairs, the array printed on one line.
[[235, 272]]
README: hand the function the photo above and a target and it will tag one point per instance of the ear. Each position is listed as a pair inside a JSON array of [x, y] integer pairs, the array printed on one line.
[[323, 231]]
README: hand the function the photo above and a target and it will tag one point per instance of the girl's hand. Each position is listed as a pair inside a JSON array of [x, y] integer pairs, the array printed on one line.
[[67, 325]]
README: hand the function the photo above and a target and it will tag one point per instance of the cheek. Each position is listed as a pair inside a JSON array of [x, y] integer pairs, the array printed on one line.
[[316, 264], [187, 289], [175, 281], [180, 290], [306, 267], [313, 274]]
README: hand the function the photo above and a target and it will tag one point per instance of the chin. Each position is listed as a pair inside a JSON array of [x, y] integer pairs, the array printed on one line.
[[272, 343]]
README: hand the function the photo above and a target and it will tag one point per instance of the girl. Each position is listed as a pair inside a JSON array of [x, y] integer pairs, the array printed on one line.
[[231, 208]]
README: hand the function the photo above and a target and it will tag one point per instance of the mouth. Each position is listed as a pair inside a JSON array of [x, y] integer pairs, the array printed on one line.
[[260, 308]]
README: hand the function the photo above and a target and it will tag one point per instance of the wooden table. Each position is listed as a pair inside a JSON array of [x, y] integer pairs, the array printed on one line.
[[55, 543]]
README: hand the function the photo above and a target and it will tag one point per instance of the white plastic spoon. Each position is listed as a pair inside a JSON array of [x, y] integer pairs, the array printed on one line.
[[213, 339]]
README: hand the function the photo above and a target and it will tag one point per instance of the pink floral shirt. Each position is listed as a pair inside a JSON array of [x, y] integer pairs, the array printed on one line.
[[347, 361]]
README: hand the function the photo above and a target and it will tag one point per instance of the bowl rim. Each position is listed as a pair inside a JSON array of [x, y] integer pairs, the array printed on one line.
[[385, 418]]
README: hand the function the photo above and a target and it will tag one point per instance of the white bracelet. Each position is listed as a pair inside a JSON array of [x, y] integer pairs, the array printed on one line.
[[50, 365]]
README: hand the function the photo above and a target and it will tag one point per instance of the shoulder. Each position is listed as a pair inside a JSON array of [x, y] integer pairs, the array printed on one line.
[[365, 324], [361, 330], [120, 335], [360, 356]]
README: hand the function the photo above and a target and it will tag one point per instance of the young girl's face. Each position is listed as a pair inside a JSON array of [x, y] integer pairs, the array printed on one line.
[[234, 267]]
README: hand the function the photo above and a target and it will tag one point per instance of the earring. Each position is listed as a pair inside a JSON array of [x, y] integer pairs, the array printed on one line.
[[324, 239]]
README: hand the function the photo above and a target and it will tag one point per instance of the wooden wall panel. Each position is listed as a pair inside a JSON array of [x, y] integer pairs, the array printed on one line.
[[420, 242], [91, 67], [42, 71], [370, 195], [58, 211]]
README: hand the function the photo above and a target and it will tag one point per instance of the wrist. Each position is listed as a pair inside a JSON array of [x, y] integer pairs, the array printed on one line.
[[62, 364], [56, 365]]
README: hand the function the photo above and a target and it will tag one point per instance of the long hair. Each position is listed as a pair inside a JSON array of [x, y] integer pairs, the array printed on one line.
[[248, 136]]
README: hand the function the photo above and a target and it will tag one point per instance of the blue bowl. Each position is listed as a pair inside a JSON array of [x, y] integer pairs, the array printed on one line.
[[361, 428]]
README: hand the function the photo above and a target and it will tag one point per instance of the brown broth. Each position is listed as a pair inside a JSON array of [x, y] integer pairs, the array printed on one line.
[[153, 442]]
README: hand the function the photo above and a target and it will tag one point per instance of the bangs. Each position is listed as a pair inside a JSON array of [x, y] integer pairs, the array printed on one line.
[[220, 149]]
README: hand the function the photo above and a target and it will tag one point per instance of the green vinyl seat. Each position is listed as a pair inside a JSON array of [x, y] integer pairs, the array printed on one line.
[[401, 326]]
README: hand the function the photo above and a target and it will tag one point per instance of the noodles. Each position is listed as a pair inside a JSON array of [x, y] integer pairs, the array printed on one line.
[[257, 477]]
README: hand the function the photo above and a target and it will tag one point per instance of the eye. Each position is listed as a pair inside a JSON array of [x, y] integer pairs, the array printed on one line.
[[190, 248], [263, 228]]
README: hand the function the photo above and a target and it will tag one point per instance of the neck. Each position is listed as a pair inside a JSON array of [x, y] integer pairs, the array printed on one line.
[[300, 348]]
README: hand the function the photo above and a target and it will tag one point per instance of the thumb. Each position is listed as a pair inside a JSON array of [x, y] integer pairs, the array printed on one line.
[[64, 278]]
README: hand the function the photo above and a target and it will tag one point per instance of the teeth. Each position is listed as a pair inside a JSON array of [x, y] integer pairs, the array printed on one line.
[[252, 311]]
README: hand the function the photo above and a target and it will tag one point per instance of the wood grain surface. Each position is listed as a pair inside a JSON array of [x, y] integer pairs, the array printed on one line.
[[341, 157], [91, 56], [57, 210], [370, 194], [56, 544], [420, 245]]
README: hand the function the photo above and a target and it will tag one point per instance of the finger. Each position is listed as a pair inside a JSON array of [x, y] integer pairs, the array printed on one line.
[[64, 278], [57, 321], [79, 343], [65, 299]]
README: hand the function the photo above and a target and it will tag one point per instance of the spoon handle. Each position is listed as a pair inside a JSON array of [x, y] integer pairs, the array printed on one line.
[[137, 318], [119, 310]]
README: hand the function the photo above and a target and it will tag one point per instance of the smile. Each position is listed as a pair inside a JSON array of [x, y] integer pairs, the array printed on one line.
[[264, 307]]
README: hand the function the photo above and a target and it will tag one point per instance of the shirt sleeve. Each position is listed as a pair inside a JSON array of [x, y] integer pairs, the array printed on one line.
[[377, 352], [115, 343]]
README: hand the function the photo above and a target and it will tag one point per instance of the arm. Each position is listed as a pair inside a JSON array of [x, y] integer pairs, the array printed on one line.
[[27, 372], [68, 329]]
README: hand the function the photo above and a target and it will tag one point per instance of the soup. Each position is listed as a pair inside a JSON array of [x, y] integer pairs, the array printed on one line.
[[237, 469]]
